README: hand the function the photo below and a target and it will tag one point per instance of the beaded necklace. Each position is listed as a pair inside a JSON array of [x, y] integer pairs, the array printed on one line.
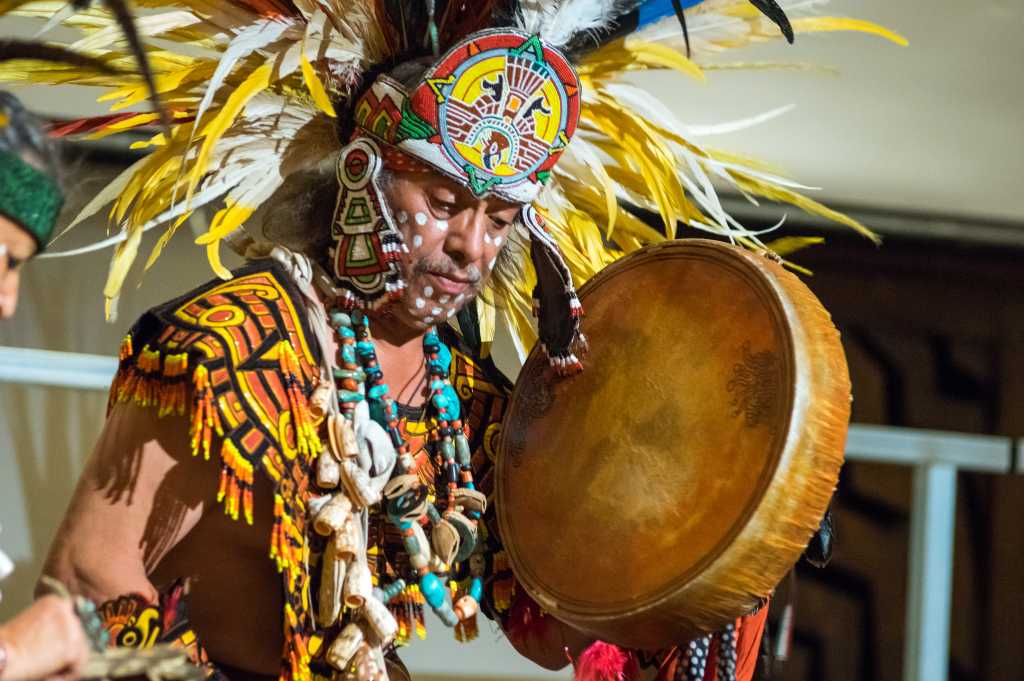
[[408, 504]]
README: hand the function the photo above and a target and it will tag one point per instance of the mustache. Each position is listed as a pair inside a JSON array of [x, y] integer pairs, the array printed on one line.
[[445, 266]]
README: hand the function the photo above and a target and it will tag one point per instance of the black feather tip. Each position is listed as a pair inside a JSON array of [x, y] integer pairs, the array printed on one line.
[[771, 9]]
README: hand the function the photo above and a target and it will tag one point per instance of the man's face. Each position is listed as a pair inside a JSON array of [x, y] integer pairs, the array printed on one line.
[[16, 246], [453, 238]]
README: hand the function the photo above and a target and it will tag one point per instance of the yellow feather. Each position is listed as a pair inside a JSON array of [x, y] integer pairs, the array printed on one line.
[[165, 239], [487, 316], [121, 263], [256, 82], [227, 220], [316, 88], [775, 193], [791, 244], [213, 255], [630, 54], [820, 24], [121, 126]]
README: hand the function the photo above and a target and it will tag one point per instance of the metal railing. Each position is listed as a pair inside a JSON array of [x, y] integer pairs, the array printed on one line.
[[936, 457]]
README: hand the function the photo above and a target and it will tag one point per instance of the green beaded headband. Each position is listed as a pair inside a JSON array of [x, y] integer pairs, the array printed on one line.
[[29, 197]]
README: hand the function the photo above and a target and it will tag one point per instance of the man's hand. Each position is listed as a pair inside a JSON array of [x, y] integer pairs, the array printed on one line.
[[46, 641]]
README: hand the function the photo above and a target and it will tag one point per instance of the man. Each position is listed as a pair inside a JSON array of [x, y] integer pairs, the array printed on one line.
[[30, 195], [46, 640], [349, 431]]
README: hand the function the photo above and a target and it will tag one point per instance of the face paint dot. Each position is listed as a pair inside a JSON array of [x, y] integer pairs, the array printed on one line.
[[403, 217], [428, 320], [421, 219], [444, 299], [442, 225], [436, 311], [417, 241], [428, 291], [498, 240], [459, 298], [449, 313], [420, 303], [488, 239], [490, 265]]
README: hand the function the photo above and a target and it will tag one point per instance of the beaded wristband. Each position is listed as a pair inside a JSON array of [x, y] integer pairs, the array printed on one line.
[[29, 197]]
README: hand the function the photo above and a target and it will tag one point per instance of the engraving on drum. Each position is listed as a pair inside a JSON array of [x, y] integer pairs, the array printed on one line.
[[755, 386], [537, 403]]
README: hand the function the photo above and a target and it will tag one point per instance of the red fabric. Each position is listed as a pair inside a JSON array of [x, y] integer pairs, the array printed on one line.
[[749, 631]]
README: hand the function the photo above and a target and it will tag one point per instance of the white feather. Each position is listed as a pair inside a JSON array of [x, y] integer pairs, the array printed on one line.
[[559, 22]]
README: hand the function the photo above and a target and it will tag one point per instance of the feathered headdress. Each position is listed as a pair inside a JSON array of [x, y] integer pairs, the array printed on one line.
[[253, 92], [252, 88]]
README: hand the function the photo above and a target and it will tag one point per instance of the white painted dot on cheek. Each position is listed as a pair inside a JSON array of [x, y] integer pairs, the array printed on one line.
[[428, 291], [417, 241], [498, 240], [436, 311], [490, 265], [421, 219], [444, 299], [459, 298], [428, 320], [488, 239], [403, 217], [442, 225], [420, 303]]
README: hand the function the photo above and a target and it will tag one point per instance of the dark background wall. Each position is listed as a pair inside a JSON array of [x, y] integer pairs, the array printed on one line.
[[934, 334]]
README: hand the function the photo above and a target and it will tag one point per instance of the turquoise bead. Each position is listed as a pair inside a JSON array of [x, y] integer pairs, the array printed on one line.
[[454, 404], [448, 450], [349, 396], [462, 453], [433, 590], [346, 332], [440, 402], [378, 412], [476, 590], [378, 391], [356, 374], [444, 356], [348, 354], [340, 320]]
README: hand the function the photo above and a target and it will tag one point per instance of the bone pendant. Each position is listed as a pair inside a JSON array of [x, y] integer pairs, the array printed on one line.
[[358, 584], [348, 539], [342, 438], [328, 470], [344, 647], [320, 401], [333, 516], [332, 583], [357, 484], [381, 621]]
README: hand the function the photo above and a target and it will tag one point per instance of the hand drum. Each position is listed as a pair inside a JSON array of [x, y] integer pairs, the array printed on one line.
[[668, 488]]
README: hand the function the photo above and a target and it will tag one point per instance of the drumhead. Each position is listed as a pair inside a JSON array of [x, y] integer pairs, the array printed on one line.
[[619, 488]]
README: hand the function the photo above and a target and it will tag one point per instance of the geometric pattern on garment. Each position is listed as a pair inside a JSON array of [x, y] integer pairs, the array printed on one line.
[[241, 350]]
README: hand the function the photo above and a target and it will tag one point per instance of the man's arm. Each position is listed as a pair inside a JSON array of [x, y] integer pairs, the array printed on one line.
[[135, 500]]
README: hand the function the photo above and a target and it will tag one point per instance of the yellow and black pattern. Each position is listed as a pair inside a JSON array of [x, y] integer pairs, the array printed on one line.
[[236, 358]]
